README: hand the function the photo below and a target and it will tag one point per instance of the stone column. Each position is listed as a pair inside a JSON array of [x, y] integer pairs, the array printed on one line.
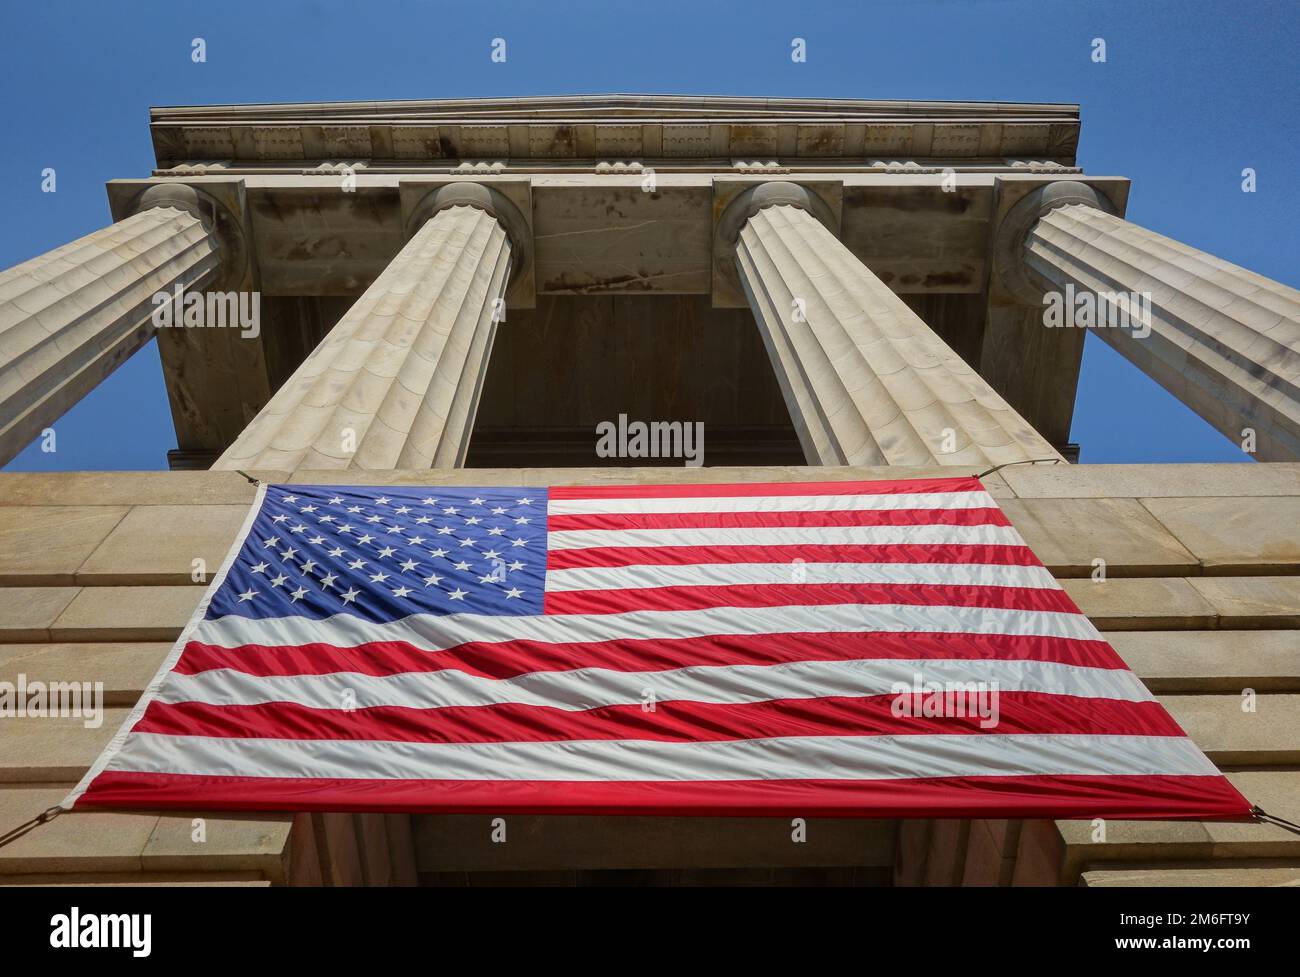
[[1223, 340], [866, 380], [396, 382], [69, 317]]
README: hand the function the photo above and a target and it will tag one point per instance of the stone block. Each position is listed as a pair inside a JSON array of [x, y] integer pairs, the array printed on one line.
[[131, 488], [1252, 602], [1235, 535], [157, 545], [1212, 661], [26, 613], [54, 750], [1068, 534], [1161, 603], [232, 842], [1150, 843], [1153, 481], [126, 614], [72, 842], [125, 669], [643, 476], [1230, 736], [44, 545], [1206, 875], [1276, 791]]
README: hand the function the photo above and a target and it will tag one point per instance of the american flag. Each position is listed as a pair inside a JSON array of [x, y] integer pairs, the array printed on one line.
[[820, 648]]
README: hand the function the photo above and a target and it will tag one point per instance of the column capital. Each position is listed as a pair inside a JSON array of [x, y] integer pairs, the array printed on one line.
[[778, 193], [484, 198], [226, 228], [178, 196], [1013, 232]]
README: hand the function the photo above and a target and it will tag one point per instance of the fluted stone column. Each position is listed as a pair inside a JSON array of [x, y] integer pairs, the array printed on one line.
[[396, 382], [1223, 340], [866, 381], [69, 317]]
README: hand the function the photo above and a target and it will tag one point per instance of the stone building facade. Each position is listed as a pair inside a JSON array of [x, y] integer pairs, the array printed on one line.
[[463, 291]]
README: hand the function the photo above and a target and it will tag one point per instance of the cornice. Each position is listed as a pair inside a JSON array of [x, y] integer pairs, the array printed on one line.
[[614, 127]]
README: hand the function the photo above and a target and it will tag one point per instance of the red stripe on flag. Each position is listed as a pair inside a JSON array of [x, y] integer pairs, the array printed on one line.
[[903, 487], [1129, 797], [622, 556], [788, 595], [675, 721], [803, 519], [509, 659]]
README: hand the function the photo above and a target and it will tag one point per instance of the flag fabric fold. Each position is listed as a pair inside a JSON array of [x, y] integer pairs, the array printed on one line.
[[847, 648]]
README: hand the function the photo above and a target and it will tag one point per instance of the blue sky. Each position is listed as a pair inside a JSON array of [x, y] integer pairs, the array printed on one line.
[[1191, 93]]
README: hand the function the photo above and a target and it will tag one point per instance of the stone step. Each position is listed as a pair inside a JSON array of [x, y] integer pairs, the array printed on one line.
[[257, 845], [1204, 875]]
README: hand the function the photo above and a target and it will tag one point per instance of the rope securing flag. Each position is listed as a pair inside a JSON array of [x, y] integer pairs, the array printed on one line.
[[861, 649]]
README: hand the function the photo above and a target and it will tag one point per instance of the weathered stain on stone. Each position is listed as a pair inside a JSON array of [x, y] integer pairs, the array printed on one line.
[[939, 279], [562, 283]]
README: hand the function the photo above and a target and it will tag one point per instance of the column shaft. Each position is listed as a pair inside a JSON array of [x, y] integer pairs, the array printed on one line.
[[867, 382], [69, 317], [1223, 340], [396, 382]]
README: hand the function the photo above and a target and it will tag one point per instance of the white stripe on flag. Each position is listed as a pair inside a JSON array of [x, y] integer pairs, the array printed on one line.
[[773, 503], [572, 539], [594, 688], [786, 758], [725, 574], [435, 632]]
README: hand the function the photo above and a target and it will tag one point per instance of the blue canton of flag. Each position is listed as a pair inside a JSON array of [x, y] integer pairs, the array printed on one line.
[[383, 554]]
